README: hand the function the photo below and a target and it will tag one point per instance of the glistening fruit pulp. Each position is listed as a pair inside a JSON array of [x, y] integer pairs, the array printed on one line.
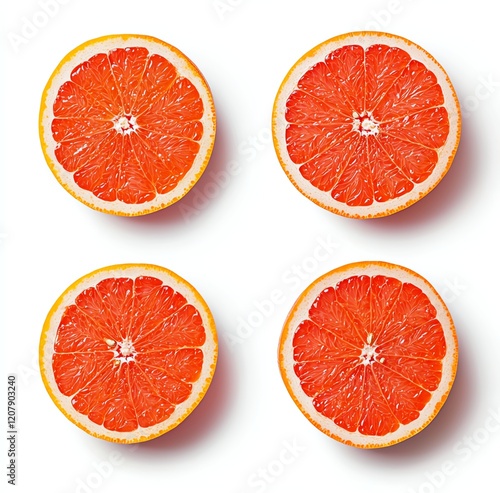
[[127, 352], [127, 125], [368, 353], [366, 125]]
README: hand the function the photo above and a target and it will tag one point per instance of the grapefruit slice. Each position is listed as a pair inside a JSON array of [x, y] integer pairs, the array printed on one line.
[[366, 124], [127, 124], [128, 351], [369, 353]]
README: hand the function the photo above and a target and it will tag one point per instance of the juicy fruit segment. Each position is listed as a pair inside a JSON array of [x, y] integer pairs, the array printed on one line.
[[369, 356], [126, 353], [376, 347], [363, 122], [127, 124]]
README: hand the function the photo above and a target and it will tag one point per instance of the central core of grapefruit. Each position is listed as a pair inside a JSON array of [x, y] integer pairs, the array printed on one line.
[[125, 351], [364, 123], [125, 124], [368, 353]]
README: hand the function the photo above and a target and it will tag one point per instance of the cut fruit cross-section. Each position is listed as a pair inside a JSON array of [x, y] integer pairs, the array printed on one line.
[[128, 351], [127, 124], [366, 124], [369, 353]]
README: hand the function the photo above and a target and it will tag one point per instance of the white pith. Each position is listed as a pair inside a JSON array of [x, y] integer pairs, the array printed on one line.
[[364, 123], [324, 198], [369, 352], [122, 125], [124, 351], [299, 313], [125, 124]]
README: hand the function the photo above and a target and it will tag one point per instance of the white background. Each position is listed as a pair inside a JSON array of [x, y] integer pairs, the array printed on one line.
[[244, 235]]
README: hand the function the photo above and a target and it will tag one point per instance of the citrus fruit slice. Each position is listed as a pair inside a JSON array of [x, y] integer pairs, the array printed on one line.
[[128, 351], [127, 124], [369, 353], [366, 124]]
